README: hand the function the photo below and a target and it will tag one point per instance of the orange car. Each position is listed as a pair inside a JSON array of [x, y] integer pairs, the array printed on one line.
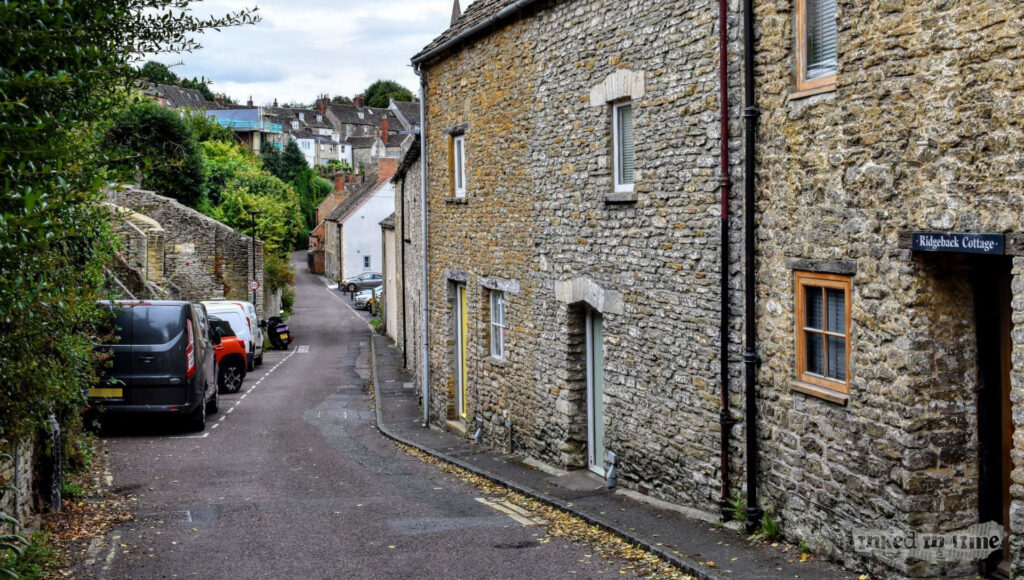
[[231, 357]]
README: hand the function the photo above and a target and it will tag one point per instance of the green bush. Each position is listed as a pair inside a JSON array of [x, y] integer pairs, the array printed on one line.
[[287, 301]]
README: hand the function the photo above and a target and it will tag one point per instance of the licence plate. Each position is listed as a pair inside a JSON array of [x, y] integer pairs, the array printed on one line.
[[284, 336], [98, 393]]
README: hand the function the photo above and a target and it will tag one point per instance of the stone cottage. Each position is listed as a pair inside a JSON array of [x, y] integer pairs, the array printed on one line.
[[586, 292], [404, 308], [574, 183], [352, 235]]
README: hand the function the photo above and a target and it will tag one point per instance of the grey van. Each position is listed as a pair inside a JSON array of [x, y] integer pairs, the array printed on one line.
[[163, 361]]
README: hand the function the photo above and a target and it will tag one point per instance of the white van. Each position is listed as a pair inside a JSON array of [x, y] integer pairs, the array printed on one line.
[[234, 314], [257, 330]]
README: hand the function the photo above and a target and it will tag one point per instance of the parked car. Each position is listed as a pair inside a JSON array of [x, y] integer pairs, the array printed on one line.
[[362, 282], [163, 361], [231, 356], [255, 328], [367, 298], [234, 314]]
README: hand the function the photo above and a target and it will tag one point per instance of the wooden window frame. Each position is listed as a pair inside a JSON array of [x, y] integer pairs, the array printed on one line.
[[621, 187], [458, 166], [498, 329], [805, 87], [811, 383]]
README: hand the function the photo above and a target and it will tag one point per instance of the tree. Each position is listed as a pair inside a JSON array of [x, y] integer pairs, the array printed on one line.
[[203, 86], [341, 100], [222, 164], [293, 162], [68, 67], [272, 160], [173, 166], [205, 128], [157, 73], [379, 93], [281, 220]]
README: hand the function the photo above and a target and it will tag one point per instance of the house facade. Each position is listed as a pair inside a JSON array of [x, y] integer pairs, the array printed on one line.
[[586, 285], [352, 234], [408, 251]]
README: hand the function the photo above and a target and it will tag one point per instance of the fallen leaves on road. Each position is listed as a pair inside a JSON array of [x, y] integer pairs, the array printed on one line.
[[565, 525]]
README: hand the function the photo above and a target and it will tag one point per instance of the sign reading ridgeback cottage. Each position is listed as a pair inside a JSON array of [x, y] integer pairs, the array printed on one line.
[[959, 243]]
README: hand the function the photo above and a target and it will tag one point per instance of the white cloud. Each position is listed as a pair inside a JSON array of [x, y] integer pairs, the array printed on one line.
[[306, 47]]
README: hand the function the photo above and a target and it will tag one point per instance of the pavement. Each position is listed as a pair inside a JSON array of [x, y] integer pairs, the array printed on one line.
[[706, 550], [292, 479]]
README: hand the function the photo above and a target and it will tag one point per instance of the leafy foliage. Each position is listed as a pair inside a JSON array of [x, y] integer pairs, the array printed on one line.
[[161, 74], [271, 157], [379, 93], [293, 162], [205, 128], [65, 74], [280, 220], [156, 141], [341, 100], [736, 507], [223, 162]]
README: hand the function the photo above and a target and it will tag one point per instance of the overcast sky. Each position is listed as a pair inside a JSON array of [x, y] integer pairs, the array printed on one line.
[[306, 47]]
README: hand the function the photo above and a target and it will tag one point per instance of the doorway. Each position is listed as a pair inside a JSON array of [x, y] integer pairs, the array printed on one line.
[[595, 391], [994, 324], [461, 332]]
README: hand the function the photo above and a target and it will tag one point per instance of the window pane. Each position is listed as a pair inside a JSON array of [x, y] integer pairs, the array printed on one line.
[[836, 302], [821, 38], [815, 354], [836, 358], [460, 178], [625, 143], [813, 316]]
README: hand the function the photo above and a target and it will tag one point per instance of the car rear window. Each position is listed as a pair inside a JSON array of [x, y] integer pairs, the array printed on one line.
[[237, 321], [156, 324], [223, 327]]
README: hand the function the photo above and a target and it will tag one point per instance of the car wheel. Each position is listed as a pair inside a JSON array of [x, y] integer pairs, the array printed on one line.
[[250, 362], [231, 376], [351, 288], [259, 360], [213, 405], [197, 420]]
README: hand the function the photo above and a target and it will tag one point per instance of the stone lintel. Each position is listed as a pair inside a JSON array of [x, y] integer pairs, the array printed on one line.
[[621, 85], [584, 289], [457, 129], [502, 284], [456, 275], [845, 267]]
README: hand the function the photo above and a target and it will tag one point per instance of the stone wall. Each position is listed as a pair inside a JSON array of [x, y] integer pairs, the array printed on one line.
[[540, 214], [918, 135], [203, 258], [408, 236], [16, 472]]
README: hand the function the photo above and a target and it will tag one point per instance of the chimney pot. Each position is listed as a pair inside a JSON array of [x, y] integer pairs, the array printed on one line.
[[358, 100]]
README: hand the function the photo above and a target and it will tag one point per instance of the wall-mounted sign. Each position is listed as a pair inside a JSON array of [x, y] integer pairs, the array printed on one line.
[[958, 243]]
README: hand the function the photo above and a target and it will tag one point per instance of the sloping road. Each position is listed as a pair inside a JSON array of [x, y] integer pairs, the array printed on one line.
[[292, 480]]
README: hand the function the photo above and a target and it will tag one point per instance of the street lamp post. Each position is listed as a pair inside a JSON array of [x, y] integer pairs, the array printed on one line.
[[254, 213]]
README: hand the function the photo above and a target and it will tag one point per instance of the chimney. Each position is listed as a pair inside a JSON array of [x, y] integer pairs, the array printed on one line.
[[387, 167], [275, 102], [384, 129], [322, 104], [456, 13], [358, 100], [219, 99], [339, 182]]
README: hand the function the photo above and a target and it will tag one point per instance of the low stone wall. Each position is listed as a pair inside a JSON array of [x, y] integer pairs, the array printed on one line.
[[202, 257]]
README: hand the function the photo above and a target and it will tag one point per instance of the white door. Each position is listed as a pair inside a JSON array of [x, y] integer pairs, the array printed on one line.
[[595, 391]]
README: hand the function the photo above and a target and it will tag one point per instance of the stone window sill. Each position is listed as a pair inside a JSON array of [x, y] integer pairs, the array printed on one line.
[[620, 197], [456, 200], [819, 392], [498, 362], [811, 92]]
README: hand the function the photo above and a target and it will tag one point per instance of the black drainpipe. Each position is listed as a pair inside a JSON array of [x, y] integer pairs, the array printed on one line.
[[725, 420], [750, 114], [405, 337]]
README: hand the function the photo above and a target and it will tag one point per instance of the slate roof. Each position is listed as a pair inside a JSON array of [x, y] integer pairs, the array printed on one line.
[[476, 13], [410, 110], [411, 157], [354, 200], [178, 97], [349, 114], [388, 222], [361, 142], [396, 140]]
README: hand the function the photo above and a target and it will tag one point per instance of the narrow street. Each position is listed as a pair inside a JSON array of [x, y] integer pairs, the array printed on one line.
[[292, 480]]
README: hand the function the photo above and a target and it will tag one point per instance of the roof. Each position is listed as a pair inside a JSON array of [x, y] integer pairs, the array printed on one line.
[[354, 200], [476, 13], [408, 160], [362, 142], [409, 110], [179, 97], [396, 140], [388, 223], [350, 114]]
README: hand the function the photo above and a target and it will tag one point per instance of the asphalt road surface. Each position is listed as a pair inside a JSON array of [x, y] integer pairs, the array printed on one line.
[[292, 480]]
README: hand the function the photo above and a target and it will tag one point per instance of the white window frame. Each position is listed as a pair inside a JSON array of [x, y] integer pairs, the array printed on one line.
[[621, 187], [498, 326], [459, 160]]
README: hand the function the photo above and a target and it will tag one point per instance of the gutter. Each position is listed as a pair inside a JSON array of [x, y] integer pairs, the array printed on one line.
[[425, 368], [750, 358], [493, 20]]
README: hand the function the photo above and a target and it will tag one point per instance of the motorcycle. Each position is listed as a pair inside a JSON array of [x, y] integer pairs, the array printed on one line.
[[280, 337]]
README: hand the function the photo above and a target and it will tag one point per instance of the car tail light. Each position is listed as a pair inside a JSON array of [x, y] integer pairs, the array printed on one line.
[[190, 352]]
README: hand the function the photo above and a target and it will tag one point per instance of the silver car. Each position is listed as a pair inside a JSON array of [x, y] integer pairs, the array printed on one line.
[[361, 282]]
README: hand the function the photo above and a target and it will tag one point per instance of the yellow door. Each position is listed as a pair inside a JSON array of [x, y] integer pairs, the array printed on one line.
[[461, 332]]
